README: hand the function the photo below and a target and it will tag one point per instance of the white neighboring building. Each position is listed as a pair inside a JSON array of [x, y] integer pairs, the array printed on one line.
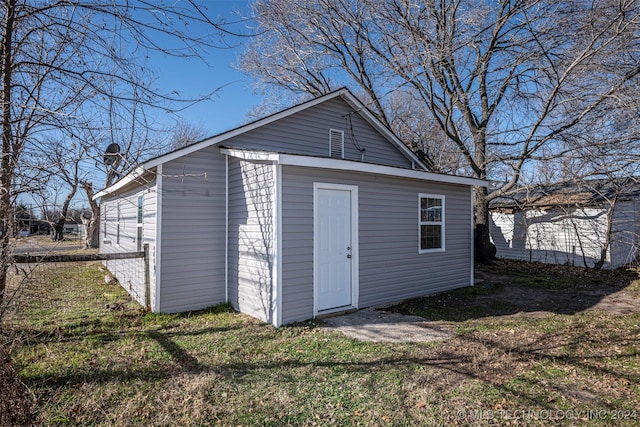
[[583, 224]]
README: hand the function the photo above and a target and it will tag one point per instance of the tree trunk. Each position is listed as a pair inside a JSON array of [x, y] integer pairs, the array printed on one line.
[[57, 232], [58, 226], [6, 163], [607, 238], [91, 225], [485, 251]]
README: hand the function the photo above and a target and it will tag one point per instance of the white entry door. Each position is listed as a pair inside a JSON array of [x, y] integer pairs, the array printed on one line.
[[335, 246]]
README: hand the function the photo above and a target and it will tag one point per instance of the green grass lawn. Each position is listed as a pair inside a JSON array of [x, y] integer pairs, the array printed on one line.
[[89, 365]]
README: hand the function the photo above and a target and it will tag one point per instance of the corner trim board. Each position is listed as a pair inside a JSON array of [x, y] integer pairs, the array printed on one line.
[[226, 229], [158, 262], [277, 236], [472, 241]]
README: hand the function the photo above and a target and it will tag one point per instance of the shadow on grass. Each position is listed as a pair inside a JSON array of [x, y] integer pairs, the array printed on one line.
[[104, 330], [178, 354], [253, 353], [494, 360], [516, 287]]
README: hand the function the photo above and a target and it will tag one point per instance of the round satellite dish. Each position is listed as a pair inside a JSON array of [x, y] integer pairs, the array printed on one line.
[[111, 153]]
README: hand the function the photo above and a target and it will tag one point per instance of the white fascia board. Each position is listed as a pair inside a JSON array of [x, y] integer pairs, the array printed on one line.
[[132, 176], [350, 166], [264, 156], [216, 140]]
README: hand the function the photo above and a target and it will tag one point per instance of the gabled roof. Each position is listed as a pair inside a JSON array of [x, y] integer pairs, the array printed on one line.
[[344, 93], [570, 193], [219, 139]]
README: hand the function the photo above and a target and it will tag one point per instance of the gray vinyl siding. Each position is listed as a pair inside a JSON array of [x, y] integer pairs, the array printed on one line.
[[129, 272], [251, 190], [390, 267], [149, 228], [193, 232], [307, 133], [149, 217]]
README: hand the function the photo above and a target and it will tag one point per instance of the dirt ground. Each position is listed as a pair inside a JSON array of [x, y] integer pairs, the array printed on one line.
[[584, 289], [507, 288], [540, 301], [595, 353]]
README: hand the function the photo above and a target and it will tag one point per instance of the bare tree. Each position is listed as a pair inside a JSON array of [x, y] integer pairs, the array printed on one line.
[[185, 133], [63, 168], [66, 66], [511, 84]]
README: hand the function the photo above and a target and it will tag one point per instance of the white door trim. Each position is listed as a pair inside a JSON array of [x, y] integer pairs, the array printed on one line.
[[276, 272], [355, 248]]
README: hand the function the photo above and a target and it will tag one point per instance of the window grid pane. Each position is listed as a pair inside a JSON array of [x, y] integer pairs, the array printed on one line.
[[431, 222], [431, 237], [431, 210]]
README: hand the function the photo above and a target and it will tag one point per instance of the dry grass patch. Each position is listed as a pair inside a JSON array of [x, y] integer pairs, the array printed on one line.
[[87, 365]]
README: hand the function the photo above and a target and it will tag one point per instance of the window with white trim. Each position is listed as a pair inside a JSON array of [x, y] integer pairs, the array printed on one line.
[[336, 144], [430, 223]]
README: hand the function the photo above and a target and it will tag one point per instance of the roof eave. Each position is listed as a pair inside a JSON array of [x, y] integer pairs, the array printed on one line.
[[350, 166], [130, 178]]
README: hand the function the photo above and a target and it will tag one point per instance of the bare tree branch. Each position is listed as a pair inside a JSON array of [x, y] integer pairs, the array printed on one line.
[[509, 83], [74, 79]]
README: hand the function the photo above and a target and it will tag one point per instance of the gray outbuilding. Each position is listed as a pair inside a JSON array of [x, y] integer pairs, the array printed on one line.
[[314, 210]]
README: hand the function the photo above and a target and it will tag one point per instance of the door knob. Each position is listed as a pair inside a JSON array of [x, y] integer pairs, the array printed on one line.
[[349, 256]]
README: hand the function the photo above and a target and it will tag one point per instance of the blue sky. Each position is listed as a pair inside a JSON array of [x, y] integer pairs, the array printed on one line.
[[229, 106], [227, 109]]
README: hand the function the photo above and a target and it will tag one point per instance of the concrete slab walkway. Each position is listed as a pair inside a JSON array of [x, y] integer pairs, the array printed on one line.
[[385, 326]]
